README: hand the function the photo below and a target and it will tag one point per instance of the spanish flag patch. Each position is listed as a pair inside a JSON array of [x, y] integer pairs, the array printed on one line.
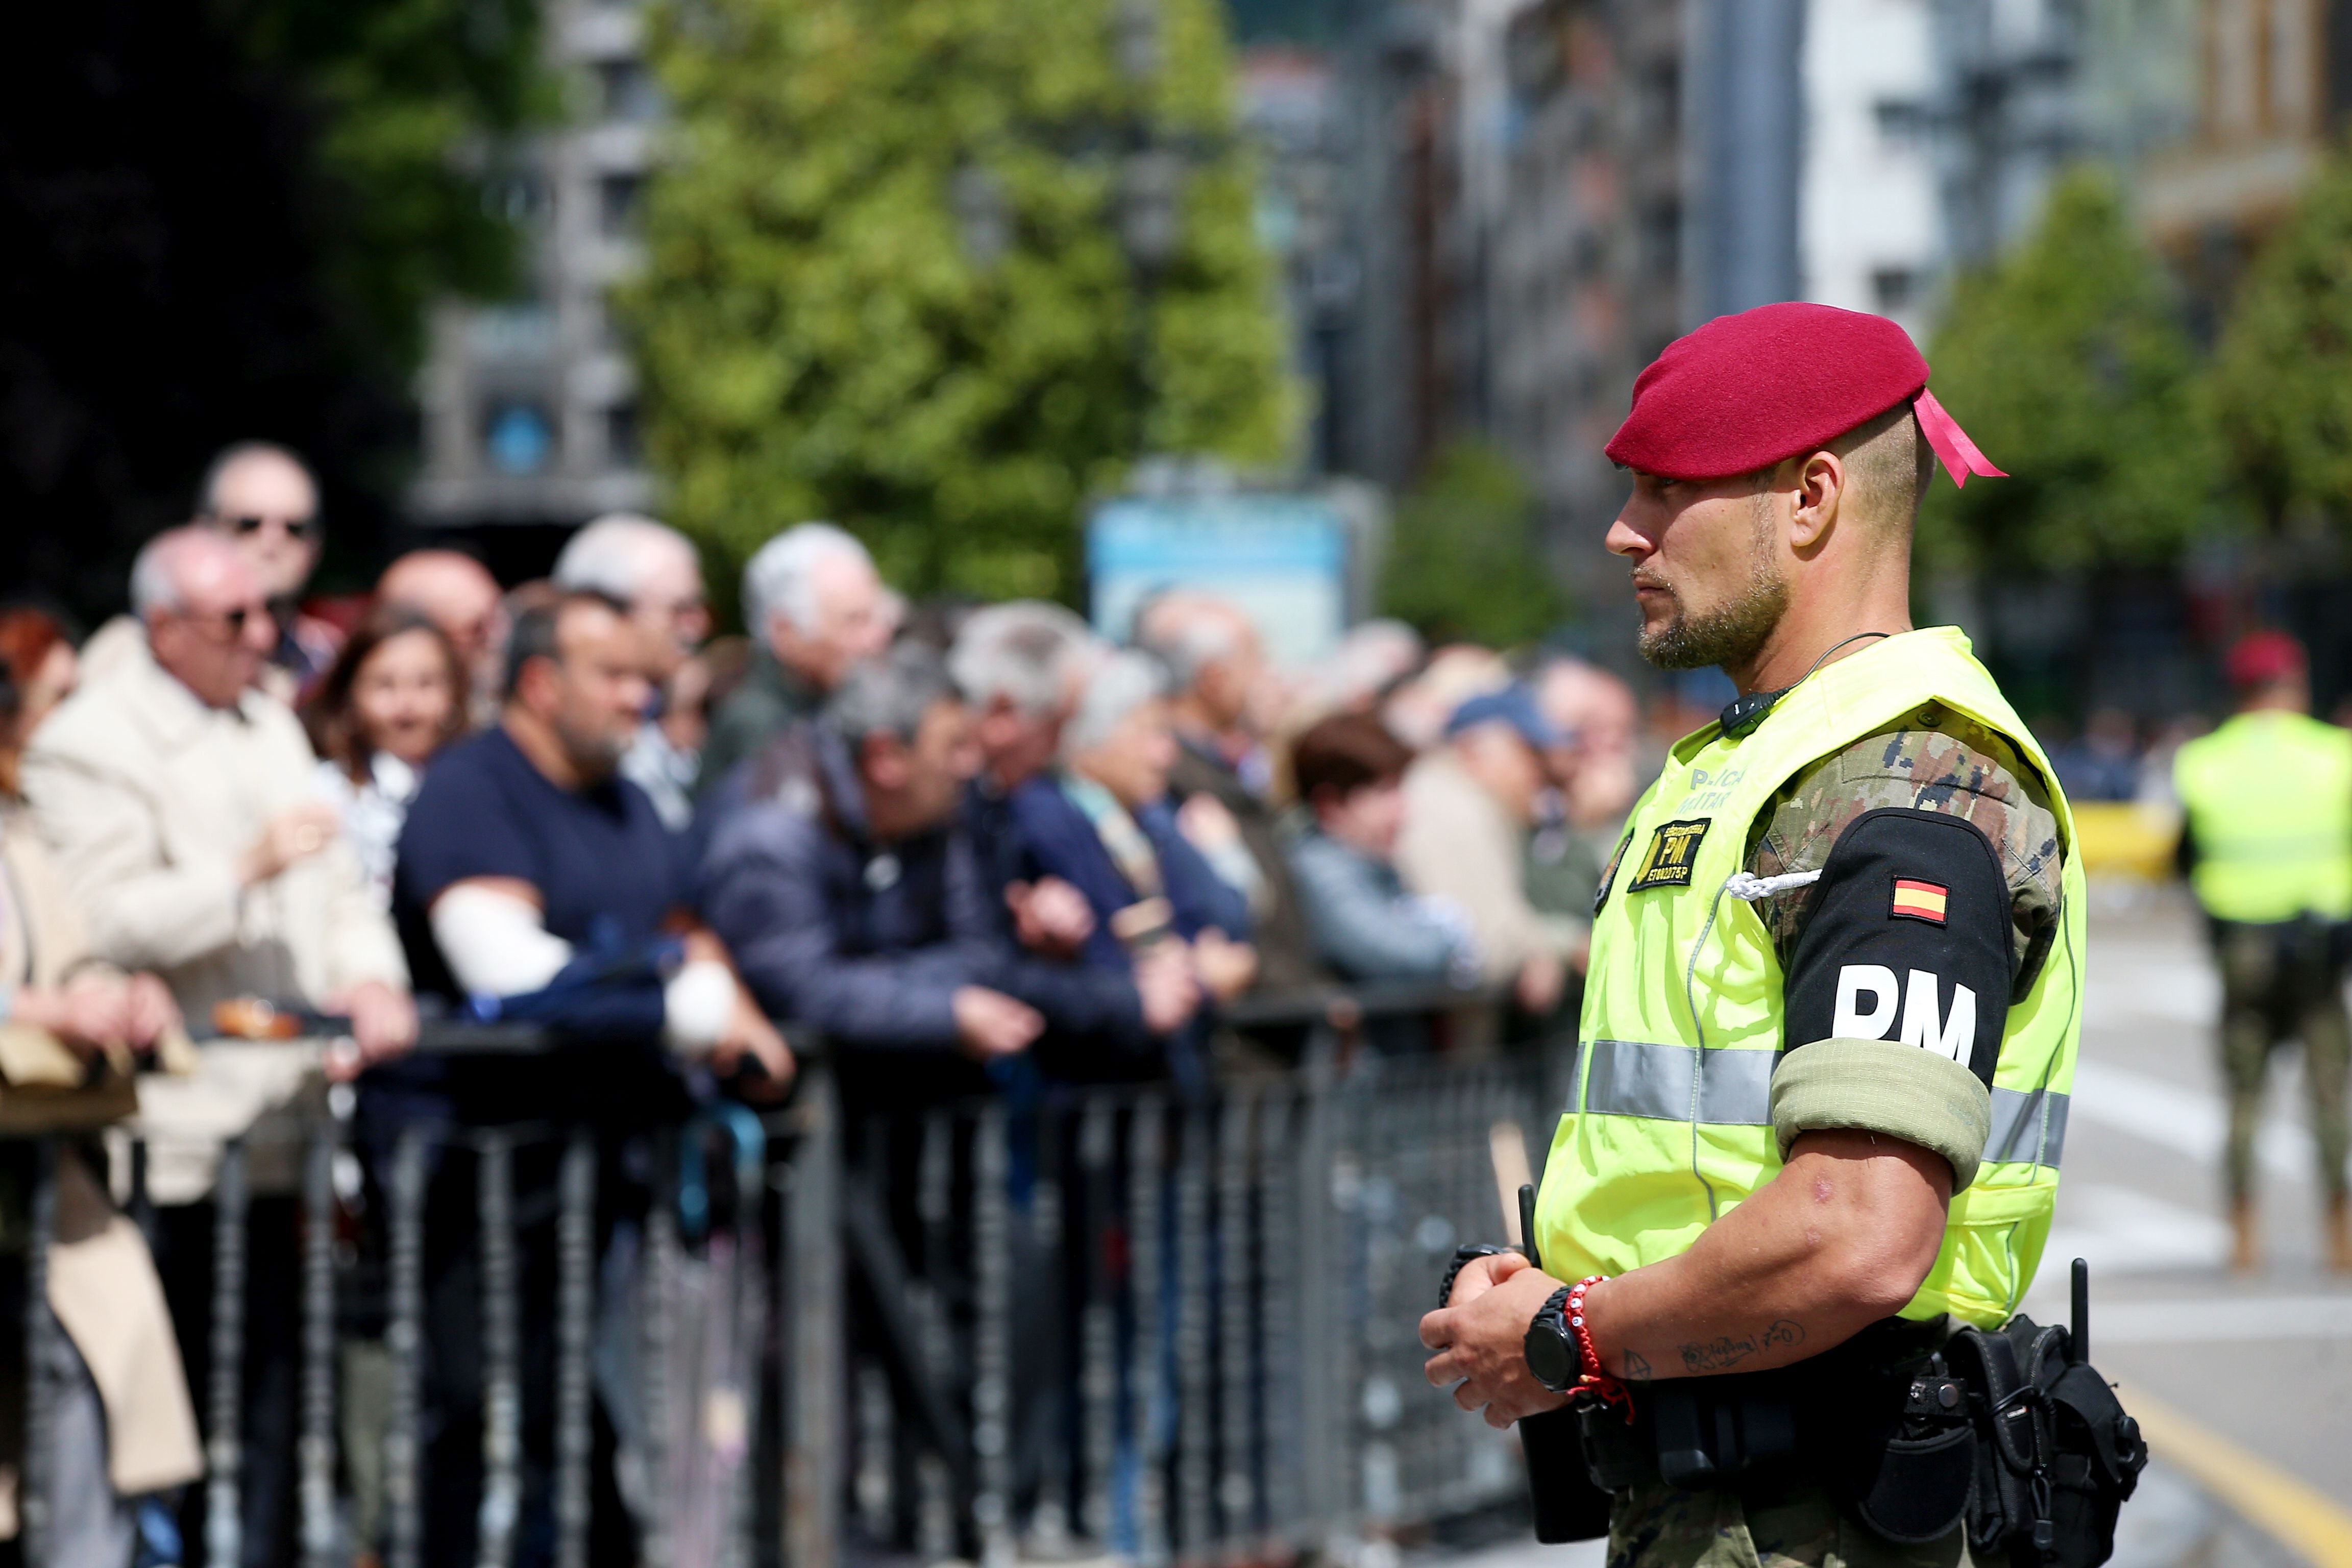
[[1916, 901]]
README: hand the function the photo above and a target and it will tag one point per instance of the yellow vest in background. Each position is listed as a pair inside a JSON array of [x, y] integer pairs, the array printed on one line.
[[1670, 1127], [2269, 800]]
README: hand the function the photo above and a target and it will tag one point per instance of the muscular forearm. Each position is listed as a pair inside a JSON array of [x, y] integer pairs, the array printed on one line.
[[1839, 1239]]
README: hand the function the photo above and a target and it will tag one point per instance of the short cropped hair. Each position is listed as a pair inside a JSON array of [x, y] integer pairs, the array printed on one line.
[[1887, 464], [887, 694], [1344, 753], [608, 556], [155, 570], [1188, 633], [1018, 653], [781, 578], [538, 631], [1119, 685]]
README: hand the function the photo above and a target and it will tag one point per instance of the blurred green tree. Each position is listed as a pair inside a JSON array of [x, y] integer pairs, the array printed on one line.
[[414, 105], [2068, 364], [885, 279], [1464, 561], [2283, 377]]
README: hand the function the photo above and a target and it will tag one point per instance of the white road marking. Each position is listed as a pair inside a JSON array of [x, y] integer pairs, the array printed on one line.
[[2122, 1230], [2189, 1122], [2202, 1318]]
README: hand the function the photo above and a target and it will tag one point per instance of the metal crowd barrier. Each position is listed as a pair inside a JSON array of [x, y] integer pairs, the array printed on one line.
[[1061, 1321]]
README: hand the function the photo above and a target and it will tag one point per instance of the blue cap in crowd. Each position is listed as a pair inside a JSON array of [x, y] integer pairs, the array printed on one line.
[[1513, 705]]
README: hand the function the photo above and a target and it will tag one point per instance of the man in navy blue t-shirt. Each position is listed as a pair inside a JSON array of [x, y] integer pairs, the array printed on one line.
[[531, 872], [534, 882]]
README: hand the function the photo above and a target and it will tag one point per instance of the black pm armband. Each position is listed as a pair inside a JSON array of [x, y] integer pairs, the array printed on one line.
[[1908, 939]]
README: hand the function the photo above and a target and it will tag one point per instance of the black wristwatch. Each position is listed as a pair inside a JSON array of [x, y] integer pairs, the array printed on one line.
[[1552, 1353]]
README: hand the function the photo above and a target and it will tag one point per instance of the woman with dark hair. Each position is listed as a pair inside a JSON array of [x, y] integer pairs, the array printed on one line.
[[1349, 772], [395, 695]]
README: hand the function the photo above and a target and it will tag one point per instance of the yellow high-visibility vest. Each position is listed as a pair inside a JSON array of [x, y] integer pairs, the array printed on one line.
[[1669, 1127], [2269, 801]]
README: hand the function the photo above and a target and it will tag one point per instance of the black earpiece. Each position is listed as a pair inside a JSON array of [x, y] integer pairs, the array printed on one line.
[[1742, 714]]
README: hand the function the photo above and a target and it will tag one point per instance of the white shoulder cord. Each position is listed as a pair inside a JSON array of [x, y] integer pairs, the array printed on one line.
[[1748, 886]]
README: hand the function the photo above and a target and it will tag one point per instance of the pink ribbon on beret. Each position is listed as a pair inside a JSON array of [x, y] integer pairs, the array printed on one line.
[[1958, 454]]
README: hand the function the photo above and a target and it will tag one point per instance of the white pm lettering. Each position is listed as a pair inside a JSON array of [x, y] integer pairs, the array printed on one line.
[[1954, 1036], [1924, 1023]]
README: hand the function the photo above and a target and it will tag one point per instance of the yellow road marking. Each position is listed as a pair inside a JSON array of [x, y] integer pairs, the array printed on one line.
[[2291, 1511]]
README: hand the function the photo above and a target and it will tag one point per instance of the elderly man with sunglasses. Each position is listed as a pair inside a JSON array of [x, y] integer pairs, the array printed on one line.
[[263, 498], [176, 797]]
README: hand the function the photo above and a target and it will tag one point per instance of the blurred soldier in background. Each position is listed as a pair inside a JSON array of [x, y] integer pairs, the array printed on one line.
[[2268, 849]]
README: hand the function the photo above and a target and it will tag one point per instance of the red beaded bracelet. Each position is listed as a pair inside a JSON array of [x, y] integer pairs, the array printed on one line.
[[1595, 1377]]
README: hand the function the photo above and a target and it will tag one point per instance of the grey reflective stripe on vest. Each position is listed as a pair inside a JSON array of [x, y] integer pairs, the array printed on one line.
[[2018, 1135], [1632, 1078], [1734, 1088]]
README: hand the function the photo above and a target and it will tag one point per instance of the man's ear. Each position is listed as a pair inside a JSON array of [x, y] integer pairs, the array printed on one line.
[[883, 759], [1820, 490]]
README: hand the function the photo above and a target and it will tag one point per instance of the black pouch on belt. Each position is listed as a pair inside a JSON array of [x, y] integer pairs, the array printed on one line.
[[2057, 1455], [1910, 1452]]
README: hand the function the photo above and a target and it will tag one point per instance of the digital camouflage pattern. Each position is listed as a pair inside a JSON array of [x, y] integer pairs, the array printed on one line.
[[2282, 982], [1932, 759], [1657, 1526]]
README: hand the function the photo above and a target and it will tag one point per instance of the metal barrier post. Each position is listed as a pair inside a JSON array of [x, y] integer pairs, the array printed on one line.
[[1237, 1366], [992, 1387], [1098, 1322], [318, 1439], [1145, 1368], [1193, 1435], [575, 1310], [41, 1330], [224, 1447], [404, 1337], [811, 1276], [502, 1503], [1321, 1324]]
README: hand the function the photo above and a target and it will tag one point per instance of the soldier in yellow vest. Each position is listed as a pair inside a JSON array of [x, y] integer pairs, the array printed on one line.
[[1836, 979], [2269, 846]]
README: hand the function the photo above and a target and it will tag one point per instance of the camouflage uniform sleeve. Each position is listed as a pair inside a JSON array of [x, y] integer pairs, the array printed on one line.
[[1931, 760]]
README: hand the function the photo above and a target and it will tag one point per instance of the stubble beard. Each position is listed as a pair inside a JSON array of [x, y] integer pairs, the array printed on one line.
[[1733, 634]]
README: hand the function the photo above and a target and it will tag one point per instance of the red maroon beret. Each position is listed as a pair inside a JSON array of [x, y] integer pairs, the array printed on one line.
[[1743, 392], [2261, 657]]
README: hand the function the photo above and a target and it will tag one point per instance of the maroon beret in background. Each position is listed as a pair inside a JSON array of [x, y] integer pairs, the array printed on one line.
[[1746, 391], [2261, 657]]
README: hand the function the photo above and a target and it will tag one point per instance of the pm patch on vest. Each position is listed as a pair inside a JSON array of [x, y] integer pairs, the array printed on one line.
[[1672, 852], [1908, 939]]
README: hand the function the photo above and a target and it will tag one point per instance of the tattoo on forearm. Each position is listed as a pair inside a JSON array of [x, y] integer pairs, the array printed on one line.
[[1728, 1350], [1716, 1354], [1637, 1366]]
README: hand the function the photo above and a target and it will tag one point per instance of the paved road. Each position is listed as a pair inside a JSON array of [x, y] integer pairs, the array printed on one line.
[[2265, 1361]]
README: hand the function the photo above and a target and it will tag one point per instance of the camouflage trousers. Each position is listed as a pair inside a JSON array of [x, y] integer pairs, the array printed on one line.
[[1658, 1526], [2280, 982]]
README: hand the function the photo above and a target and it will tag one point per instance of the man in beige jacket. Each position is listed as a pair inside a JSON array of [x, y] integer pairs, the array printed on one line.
[[176, 797], [181, 800], [1469, 803]]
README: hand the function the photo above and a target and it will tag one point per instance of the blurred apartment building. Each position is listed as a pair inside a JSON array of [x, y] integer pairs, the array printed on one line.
[[529, 411]]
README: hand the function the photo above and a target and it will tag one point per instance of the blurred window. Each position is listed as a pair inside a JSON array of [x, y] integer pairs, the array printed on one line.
[[518, 439], [629, 90], [617, 205], [1894, 288], [622, 447], [1901, 120]]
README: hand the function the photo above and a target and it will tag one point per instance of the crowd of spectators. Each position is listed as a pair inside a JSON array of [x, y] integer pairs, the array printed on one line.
[[971, 851]]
